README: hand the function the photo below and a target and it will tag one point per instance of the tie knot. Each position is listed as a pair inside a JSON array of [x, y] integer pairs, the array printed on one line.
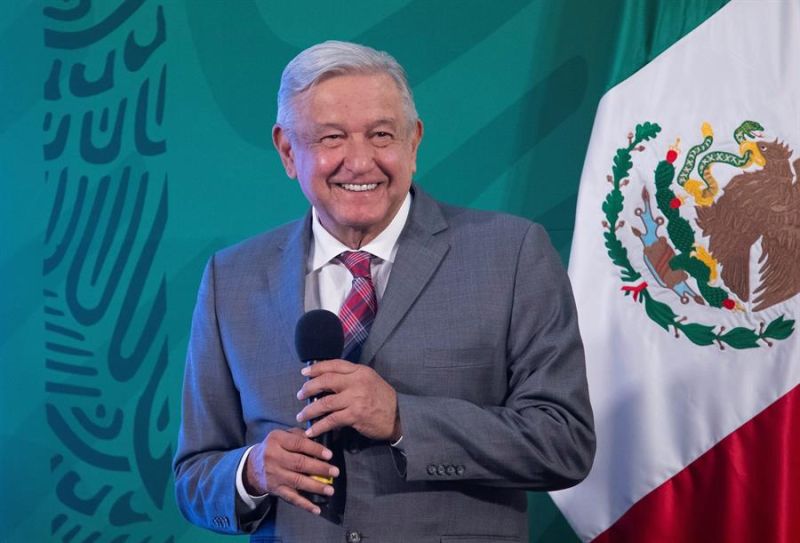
[[357, 262]]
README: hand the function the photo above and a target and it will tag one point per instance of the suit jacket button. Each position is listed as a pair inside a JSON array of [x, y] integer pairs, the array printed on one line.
[[450, 469], [353, 537], [460, 470], [431, 469], [440, 469], [353, 448]]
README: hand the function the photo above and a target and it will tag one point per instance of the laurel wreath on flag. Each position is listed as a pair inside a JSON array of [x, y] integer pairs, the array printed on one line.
[[682, 237]]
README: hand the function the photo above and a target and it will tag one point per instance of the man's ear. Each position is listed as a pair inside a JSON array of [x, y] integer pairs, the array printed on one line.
[[283, 143], [416, 138]]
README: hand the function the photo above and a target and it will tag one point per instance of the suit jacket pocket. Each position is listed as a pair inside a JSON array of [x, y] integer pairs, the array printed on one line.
[[479, 539], [457, 358]]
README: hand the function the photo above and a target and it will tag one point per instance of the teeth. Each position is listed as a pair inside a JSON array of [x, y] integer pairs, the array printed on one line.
[[359, 188]]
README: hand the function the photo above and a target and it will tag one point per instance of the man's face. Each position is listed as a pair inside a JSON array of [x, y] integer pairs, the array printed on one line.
[[353, 152]]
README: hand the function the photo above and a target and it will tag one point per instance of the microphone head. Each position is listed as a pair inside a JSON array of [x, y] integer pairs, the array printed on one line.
[[319, 336]]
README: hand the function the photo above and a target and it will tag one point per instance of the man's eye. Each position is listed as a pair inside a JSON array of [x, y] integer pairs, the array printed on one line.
[[382, 138], [331, 140]]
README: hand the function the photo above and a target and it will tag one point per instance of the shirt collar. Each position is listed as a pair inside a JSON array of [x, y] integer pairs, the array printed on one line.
[[326, 247]]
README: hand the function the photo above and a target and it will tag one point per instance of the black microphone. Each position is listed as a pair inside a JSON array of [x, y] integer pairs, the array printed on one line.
[[319, 336]]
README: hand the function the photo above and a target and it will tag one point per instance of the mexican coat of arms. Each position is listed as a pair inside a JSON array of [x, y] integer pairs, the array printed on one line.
[[699, 237]]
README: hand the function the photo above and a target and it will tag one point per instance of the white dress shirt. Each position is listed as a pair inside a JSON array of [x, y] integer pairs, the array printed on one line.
[[328, 282]]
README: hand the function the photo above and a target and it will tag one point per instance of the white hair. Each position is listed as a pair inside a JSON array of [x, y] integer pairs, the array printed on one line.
[[332, 58]]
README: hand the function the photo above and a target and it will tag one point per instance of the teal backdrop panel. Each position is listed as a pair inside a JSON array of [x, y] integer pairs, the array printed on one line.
[[135, 141]]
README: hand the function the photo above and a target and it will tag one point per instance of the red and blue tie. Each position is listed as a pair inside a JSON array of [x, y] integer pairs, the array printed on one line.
[[359, 308]]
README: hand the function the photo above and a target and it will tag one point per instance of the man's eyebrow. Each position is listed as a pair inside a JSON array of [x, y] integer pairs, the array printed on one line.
[[382, 122], [387, 121], [326, 126]]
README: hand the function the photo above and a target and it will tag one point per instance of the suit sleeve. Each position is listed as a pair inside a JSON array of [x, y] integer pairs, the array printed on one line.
[[542, 437], [212, 433]]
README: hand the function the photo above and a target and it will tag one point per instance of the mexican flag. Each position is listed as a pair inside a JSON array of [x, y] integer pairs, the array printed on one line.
[[686, 269]]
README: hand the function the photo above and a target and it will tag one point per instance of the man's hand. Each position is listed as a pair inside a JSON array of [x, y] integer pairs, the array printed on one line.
[[282, 465], [357, 397]]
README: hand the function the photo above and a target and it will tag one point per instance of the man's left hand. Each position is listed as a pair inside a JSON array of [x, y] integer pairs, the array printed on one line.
[[357, 397]]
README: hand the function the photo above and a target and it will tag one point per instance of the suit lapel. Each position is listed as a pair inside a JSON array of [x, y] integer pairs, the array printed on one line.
[[419, 254], [286, 278]]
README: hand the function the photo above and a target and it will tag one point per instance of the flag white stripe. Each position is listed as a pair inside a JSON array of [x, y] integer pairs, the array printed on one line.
[[660, 401]]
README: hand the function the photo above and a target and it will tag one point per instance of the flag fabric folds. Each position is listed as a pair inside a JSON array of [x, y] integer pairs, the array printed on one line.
[[686, 269]]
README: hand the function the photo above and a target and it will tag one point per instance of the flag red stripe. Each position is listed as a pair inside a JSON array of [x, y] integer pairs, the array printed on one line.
[[744, 489]]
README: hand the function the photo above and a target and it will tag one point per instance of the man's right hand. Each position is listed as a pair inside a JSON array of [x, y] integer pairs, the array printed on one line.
[[282, 465]]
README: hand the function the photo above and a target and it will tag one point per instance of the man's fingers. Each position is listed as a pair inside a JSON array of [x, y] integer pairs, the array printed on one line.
[[290, 464], [297, 442], [323, 406], [303, 483], [297, 500], [293, 484], [303, 457], [302, 464], [292, 496], [329, 366], [360, 398], [327, 382], [337, 419]]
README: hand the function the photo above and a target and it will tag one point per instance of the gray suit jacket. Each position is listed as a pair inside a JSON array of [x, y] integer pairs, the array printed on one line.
[[477, 332]]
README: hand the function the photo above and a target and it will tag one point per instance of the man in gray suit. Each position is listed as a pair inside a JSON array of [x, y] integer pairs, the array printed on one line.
[[464, 389]]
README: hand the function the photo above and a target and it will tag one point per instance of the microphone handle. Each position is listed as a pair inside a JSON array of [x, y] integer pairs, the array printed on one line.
[[326, 440]]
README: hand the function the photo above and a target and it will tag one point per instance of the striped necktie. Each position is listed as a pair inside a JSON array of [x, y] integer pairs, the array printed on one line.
[[359, 308]]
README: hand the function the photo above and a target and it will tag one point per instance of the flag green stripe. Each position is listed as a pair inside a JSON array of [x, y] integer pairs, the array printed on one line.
[[647, 29]]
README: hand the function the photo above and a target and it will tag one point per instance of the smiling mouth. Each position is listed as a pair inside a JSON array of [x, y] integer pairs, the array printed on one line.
[[358, 188]]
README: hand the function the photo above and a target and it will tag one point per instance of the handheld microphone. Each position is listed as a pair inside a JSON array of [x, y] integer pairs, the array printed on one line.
[[319, 336]]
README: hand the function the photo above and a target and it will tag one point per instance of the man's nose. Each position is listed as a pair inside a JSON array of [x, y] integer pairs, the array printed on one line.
[[359, 155]]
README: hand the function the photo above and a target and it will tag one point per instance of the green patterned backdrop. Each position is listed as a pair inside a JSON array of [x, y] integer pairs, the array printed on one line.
[[135, 141]]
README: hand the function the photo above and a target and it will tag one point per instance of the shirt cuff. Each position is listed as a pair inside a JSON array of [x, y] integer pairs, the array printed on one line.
[[251, 502]]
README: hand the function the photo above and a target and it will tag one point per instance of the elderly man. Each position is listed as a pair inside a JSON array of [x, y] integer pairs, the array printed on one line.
[[463, 381]]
